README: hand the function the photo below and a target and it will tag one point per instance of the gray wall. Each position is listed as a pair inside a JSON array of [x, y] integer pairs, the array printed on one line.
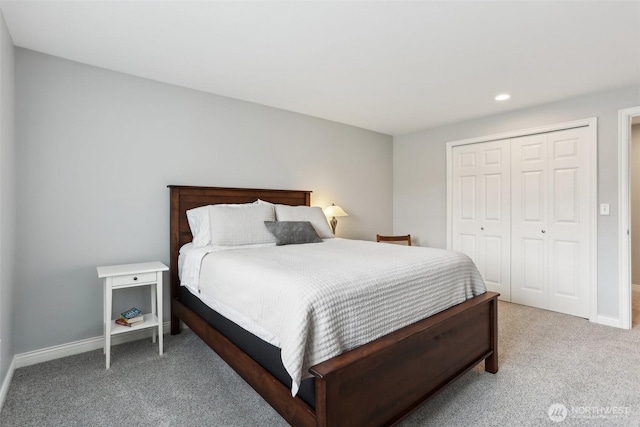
[[7, 198], [635, 203], [419, 174], [96, 150]]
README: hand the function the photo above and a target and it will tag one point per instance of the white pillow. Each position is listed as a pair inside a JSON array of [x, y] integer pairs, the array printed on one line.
[[200, 224], [313, 214], [263, 202], [240, 225], [198, 219]]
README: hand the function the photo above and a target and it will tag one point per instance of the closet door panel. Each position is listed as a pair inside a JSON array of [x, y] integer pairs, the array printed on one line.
[[529, 194], [495, 216], [566, 268], [467, 202], [493, 268], [565, 188], [493, 194], [550, 221], [466, 226], [467, 244], [569, 228], [532, 197], [481, 212], [532, 282]]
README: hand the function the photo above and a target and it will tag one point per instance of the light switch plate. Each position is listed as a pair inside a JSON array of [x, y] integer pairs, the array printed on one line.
[[604, 209]]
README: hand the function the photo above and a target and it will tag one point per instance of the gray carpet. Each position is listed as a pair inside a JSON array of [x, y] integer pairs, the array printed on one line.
[[545, 358]]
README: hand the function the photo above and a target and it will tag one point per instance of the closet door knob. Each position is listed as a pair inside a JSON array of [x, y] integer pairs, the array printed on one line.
[[481, 228], [543, 231]]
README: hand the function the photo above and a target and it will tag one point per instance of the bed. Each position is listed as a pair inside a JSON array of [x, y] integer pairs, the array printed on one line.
[[377, 383]]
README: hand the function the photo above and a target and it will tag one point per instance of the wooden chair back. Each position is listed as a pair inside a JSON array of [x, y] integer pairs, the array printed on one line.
[[405, 238]]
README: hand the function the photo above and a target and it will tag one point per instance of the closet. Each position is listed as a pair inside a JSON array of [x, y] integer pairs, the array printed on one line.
[[521, 209]]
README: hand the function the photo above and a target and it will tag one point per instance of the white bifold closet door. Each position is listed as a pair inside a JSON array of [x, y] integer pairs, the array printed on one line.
[[481, 210], [550, 216]]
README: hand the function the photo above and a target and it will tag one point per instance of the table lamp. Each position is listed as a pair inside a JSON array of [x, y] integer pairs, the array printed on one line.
[[333, 211]]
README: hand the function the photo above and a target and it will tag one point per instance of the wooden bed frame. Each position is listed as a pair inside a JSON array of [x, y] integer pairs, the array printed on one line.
[[376, 384]]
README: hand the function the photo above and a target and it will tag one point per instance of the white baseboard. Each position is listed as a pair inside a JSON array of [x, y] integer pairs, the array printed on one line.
[[4, 387], [608, 321], [82, 346]]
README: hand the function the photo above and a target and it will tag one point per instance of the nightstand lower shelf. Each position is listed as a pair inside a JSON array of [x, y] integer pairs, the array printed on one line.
[[150, 321]]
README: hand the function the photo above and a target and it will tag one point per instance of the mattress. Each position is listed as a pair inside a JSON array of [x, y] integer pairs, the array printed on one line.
[[315, 301]]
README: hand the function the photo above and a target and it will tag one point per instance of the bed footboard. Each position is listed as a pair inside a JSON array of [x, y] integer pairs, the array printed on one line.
[[382, 382]]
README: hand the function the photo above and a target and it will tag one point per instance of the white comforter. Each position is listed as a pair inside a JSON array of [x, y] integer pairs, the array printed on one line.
[[322, 299]]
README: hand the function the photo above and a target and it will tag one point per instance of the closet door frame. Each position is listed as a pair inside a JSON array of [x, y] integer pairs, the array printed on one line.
[[592, 125]]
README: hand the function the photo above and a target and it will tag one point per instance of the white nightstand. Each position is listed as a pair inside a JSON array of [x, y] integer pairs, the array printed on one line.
[[127, 276]]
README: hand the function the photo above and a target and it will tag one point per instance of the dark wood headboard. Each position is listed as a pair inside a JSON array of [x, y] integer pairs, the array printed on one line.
[[184, 198]]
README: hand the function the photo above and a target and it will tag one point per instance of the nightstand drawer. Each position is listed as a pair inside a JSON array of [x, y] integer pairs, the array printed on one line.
[[134, 278]]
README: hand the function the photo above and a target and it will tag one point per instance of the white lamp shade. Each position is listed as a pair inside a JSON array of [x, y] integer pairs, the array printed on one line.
[[334, 211]]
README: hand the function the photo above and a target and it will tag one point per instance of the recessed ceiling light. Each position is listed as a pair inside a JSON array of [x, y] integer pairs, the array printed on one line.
[[503, 97]]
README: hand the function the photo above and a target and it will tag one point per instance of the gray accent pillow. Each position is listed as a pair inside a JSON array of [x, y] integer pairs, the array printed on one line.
[[313, 214], [292, 232]]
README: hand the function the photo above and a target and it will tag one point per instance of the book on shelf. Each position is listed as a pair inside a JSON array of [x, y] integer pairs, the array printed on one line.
[[131, 313], [132, 322], [123, 322], [133, 316], [135, 320]]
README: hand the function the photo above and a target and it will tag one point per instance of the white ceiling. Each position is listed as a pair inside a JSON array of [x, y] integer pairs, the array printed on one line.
[[394, 67]]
